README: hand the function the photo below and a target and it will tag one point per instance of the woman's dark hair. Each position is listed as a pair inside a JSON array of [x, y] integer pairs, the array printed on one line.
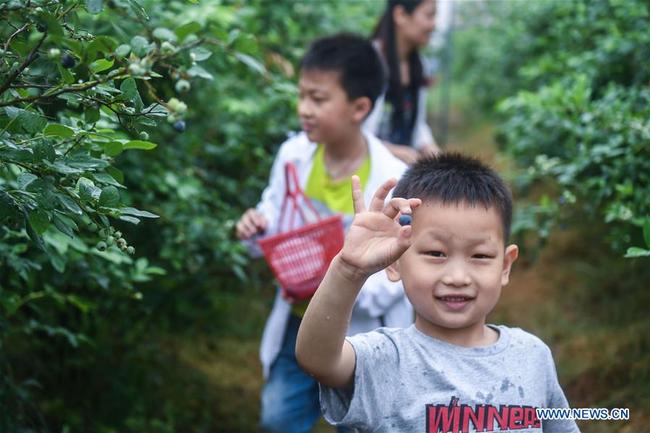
[[385, 32]]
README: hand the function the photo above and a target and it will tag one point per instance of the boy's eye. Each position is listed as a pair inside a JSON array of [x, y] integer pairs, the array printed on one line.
[[435, 253], [482, 256]]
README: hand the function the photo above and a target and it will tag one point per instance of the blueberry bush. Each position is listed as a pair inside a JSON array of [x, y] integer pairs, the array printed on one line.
[[569, 83], [133, 133], [566, 84]]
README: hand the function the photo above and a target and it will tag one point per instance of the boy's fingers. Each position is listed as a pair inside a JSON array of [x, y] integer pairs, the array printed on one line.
[[414, 203], [377, 202], [357, 195], [259, 220], [397, 205]]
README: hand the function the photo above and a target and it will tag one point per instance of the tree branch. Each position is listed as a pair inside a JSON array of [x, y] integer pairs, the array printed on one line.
[[30, 58], [74, 88], [13, 35]]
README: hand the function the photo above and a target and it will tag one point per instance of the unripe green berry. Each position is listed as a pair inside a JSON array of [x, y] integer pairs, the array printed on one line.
[[118, 234], [167, 48], [183, 86], [130, 250], [54, 53], [144, 135], [110, 240], [177, 106], [136, 69], [101, 246]]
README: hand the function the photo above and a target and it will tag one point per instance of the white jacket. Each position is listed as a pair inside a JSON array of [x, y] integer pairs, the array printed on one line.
[[380, 301]]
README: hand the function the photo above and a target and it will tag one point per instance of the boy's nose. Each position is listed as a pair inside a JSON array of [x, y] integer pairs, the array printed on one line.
[[304, 108], [456, 275]]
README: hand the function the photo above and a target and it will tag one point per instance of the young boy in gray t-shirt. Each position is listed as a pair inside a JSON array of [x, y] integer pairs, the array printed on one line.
[[445, 235]]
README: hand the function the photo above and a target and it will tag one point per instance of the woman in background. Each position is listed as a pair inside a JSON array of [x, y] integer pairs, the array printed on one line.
[[399, 116]]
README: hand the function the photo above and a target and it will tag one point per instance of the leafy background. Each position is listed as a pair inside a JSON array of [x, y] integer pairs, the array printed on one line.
[[134, 133]]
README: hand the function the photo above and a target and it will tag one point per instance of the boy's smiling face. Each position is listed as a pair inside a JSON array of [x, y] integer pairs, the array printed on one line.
[[454, 270], [326, 113]]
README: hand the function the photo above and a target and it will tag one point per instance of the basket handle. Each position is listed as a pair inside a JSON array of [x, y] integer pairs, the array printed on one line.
[[292, 194]]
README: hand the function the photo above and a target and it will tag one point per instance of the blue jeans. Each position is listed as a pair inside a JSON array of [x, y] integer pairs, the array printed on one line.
[[290, 397]]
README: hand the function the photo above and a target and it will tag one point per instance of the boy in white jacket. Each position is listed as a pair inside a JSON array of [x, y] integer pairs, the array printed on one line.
[[340, 79]]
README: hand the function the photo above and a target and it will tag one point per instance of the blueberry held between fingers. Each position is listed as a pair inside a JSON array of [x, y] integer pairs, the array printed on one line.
[[405, 220]]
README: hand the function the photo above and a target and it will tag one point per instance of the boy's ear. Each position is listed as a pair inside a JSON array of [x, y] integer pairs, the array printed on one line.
[[393, 272], [361, 108], [511, 254], [399, 13]]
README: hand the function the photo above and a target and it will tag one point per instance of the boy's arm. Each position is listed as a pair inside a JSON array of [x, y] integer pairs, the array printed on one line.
[[374, 241]]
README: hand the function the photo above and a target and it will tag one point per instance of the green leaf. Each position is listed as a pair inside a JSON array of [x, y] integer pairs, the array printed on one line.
[[129, 89], [107, 179], [69, 204], [30, 121], [201, 54], [123, 50], [66, 75], [91, 115], [187, 29], [24, 179], [94, 6], [44, 151], [54, 28], [101, 65], [164, 34], [139, 144], [129, 219], [140, 46], [87, 189], [85, 161], [115, 173], [251, 62], [33, 235], [139, 10], [110, 197], [137, 212], [64, 224], [646, 232], [634, 252], [39, 221], [197, 71], [57, 130], [113, 148]]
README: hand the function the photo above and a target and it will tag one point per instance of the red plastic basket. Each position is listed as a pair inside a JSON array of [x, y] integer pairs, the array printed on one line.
[[299, 257]]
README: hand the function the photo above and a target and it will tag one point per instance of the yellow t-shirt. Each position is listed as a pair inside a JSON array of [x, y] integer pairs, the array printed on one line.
[[335, 195]]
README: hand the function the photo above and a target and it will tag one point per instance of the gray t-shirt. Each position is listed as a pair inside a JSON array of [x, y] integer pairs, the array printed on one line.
[[406, 381]]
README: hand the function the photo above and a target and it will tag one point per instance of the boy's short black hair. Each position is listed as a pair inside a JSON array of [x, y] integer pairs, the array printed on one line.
[[453, 178], [354, 58]]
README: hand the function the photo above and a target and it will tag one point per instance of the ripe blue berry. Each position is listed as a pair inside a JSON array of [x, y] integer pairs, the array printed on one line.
[[179, 125], [67, 61], [405, 220]]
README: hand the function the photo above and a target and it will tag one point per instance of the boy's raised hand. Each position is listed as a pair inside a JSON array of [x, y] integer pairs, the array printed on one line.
[[376, 239]]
